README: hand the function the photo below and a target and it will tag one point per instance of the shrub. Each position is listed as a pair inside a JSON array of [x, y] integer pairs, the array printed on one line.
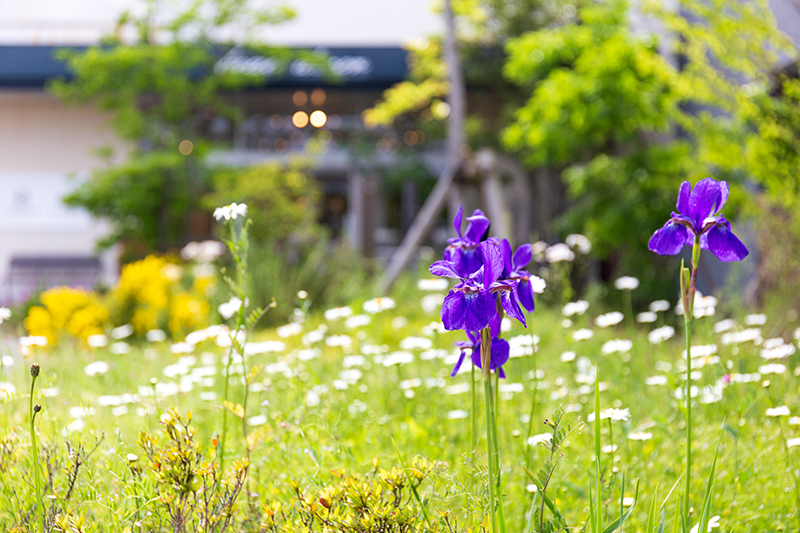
[[282, 201]]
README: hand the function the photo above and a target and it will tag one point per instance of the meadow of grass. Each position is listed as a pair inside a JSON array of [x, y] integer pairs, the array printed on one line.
[[357, 391]]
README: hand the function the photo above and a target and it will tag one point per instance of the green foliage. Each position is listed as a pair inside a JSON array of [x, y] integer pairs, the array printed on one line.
[[610, 195], [148, 198], [161, 89], [722, 45], [604, 107], [596, 88], [330, 273], [191, 491], [382, 502], [311, 424], [281, 201], [774, 154], [482, 25]]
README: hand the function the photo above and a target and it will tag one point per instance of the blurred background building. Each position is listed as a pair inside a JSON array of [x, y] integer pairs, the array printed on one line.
[[49, 147]]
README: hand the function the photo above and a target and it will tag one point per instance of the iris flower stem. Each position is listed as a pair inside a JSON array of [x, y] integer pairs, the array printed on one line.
[[687, 292], [486, 347], [474, 428], [687, 324], [501, 516]]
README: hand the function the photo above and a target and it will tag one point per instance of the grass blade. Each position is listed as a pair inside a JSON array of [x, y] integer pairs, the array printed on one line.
[[621, 520], [651, 515], [598, 519], [531, 513], [704, 517]]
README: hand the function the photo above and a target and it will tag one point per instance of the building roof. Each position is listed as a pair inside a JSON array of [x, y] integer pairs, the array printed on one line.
[[378, 67]]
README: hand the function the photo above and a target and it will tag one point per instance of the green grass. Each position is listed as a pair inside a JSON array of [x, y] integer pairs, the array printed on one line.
[[304, 441]]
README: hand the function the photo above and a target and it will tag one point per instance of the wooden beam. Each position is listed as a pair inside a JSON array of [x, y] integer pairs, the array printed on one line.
[[455, 141]]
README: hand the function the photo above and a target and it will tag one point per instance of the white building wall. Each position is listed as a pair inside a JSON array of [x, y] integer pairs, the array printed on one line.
[[46, 148]]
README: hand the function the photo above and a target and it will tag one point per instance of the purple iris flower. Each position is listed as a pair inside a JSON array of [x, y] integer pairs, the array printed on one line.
[[698, 214], [472, 303], [463, 250], [513, 270], [500, 349]]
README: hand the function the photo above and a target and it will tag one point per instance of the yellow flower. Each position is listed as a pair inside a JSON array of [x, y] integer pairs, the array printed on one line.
[[148, 296], [187, 313], [67, 311]]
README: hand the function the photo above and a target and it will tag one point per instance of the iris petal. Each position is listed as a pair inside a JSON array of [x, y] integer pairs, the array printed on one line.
[[446, 269], [478, 224], [704, 201], [494, 326], [492, 263], [468, 312], [669, 240], [450, 306], [468, 261], [522, 257], [724, 244], [500, 353], [458, 364], [458, 219], [723, 195], [683, 197], [510, 303], [525, 295], [508, 264]]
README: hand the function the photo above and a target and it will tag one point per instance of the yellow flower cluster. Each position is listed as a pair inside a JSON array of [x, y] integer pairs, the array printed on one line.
[[67, 311], [150, 294]]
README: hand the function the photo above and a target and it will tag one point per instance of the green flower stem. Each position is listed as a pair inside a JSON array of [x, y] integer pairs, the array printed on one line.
[[531, 417], [474, 425], [687, 325], [629, 319], [598, 517], [222, 439], [486, 347], [501, 515], [34, 447], [239, 250], [534, 400], [687, 293]]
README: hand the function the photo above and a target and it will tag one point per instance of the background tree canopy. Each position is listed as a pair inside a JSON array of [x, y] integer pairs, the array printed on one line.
[[160, 89], [621, 117]]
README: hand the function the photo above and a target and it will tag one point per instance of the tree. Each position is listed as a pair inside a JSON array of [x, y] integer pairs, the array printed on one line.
[[599, 97], [484, 26], [162, 92], [626, 125]]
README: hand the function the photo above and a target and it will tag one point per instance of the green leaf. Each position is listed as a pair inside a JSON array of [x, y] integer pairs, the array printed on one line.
[[706, 515], [651, 515]]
